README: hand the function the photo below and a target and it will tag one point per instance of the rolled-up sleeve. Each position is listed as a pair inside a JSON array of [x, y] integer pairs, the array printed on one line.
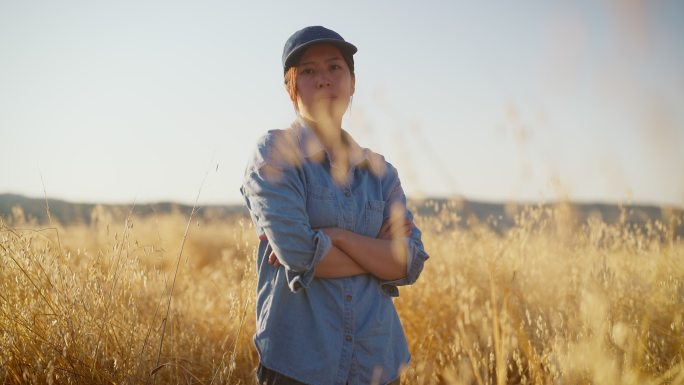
[[416, 254], [275, 196]]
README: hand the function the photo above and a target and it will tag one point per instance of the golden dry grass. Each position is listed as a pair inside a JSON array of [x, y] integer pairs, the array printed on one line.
[[550, 301]]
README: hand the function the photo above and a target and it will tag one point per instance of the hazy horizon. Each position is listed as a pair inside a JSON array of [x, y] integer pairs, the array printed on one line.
[[409, 197]]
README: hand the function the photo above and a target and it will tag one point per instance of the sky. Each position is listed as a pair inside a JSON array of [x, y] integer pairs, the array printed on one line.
[[150, 101]]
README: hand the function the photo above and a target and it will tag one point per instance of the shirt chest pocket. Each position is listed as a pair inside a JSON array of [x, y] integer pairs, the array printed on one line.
[[321, 206], [372, 217]]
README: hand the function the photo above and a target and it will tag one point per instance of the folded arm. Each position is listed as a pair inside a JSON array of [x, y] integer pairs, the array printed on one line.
[[354, 254], [337, 264], [275, 199], [385, 257]]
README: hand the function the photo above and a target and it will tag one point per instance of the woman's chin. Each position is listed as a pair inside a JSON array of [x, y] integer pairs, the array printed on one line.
[[327, 112]]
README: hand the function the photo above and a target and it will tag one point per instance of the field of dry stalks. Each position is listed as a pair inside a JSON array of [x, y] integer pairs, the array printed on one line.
[[550, 301]]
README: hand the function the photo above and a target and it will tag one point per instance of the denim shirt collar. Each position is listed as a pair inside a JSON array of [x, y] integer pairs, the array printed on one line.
[[311, 147]]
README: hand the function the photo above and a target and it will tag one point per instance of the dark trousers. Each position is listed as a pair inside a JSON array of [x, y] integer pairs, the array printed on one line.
[[266, 376]]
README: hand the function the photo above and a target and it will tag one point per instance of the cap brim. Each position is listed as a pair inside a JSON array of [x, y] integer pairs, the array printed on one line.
[[296, 53]]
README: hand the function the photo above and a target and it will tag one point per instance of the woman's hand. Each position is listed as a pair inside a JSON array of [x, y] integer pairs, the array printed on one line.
[[273, 260]]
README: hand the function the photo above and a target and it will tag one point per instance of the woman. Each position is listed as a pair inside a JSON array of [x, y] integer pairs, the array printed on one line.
[[335, 237]]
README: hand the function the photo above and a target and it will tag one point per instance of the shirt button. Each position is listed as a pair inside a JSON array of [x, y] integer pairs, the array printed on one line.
[[348, 338], [348, 298]]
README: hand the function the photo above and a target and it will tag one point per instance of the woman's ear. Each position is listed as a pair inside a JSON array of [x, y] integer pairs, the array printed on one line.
[[353, 84]]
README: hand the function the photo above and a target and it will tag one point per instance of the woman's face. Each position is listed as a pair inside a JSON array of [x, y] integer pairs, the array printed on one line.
[[324, 84]]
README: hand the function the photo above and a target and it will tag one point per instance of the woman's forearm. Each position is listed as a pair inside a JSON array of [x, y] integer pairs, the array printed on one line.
[[385, 259], [337, 264]]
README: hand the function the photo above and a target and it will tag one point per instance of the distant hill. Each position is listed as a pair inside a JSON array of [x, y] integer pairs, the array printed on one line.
[[69, 213], [501, 216], [497, 215]]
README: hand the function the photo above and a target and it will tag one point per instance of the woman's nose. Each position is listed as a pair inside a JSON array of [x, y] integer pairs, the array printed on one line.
[[323, 81]]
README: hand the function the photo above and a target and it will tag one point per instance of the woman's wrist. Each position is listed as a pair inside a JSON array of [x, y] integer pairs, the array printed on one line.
[[336, 235]]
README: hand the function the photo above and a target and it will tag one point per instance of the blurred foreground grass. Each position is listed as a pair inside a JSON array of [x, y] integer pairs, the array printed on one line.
[[550, 301]]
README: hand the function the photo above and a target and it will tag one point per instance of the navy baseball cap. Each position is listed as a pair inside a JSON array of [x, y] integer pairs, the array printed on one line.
[[306, 37]]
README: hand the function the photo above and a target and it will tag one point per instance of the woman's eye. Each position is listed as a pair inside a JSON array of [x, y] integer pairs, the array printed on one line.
[[335, 67], [307, 71]]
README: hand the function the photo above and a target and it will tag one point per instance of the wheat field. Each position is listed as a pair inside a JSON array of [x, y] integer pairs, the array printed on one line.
[[167, 300]]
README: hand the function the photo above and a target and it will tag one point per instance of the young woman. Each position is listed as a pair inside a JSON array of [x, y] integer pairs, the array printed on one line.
[[335, 236]]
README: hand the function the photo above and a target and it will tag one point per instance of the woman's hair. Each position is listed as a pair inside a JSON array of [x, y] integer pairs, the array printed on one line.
[[291, 77], [291, 84]]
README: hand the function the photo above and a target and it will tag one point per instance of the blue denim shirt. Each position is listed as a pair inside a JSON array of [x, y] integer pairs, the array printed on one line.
[[315, 330]]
